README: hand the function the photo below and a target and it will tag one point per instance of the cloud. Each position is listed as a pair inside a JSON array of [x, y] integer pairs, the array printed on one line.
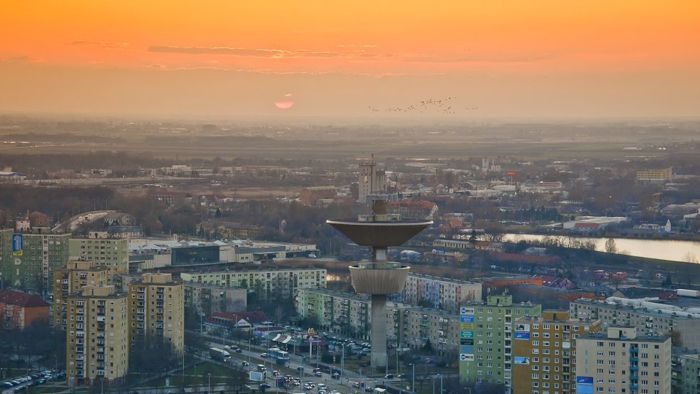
[[485, 58], [243, 52], [101, 44]]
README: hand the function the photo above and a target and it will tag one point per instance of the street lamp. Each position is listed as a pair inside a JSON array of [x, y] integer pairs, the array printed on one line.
[[209, 374], [413, 378]]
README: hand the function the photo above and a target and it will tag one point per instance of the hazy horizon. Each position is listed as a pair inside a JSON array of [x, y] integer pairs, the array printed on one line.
[[362, 61]]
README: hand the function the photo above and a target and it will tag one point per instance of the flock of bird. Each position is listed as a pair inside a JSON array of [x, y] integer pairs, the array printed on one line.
[[443, 105]]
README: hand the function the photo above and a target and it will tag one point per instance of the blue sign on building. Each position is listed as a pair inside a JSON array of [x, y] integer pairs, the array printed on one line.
[[522, 335], [584, 385], [466, 318], [466, 349], [17, 244]]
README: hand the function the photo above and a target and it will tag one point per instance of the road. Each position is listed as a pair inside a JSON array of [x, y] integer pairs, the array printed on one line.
[[252, 355]]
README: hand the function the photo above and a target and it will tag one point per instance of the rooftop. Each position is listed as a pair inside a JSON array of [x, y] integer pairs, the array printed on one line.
[[13, 297]]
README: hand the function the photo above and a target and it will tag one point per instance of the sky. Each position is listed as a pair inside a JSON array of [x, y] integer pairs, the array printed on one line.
[[463, 59]]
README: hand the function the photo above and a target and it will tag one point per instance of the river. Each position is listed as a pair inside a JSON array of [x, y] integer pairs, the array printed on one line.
[[663, 249]]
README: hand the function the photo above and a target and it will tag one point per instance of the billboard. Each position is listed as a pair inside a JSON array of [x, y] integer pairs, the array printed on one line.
[[584, 385], [466, 357], [17, 244], [466, 310], [521, 360], [466, 349], [466, 318], [256, 376], [466, 341], [522, 327], [466, 334], [522, 336]]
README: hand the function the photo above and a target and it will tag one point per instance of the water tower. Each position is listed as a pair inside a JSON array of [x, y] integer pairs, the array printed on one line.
[[379, 277]]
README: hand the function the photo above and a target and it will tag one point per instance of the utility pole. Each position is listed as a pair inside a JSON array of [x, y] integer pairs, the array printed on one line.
[[441, 384], [342, 364], [413, 378]]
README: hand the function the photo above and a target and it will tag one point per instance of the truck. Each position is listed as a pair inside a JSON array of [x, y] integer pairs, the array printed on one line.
[[219, 354]]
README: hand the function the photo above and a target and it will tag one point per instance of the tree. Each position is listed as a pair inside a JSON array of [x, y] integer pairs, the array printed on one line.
[[610, 246]]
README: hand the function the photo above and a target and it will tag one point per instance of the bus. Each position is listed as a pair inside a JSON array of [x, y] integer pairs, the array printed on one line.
[[280, 356], [219, 354]]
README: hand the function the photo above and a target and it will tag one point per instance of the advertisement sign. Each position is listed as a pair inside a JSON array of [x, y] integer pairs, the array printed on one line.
[[466, 310], [466, 349], [522, 336], [466, 318], [522, 327], [17, 244], [466, 341], [521, 360], [467, 326], [584, 385], [466, 357], [256, 376], [466, 334]]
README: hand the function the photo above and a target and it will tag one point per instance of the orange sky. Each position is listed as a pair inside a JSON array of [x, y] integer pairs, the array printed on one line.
[[511, 50]]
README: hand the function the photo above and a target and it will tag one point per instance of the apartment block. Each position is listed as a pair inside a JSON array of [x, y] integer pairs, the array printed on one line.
[[486, 338], [112, 253], [686, 374], [649, 318], [442, 293], [271, 283], [71, 280], [544, 352], [202, 298], [349, 314], [97, 348], [343, 313], [622, 362], [156, 310], [32, 266], [421, 327]]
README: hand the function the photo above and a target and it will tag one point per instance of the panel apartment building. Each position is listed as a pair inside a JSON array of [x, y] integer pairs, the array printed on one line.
[[112, 253], [71, 280], [622, 362], [32, 267], [156, 310], [486, 338], [544, 352], [269, 283], [442, 293], [349, 314], [650, 318], [97, 346]]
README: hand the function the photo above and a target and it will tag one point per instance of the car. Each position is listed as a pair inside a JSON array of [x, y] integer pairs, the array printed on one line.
[[6, 385], [335, 375], [245, 364], [389, 376], [355, 385], [264, 355], [238, 350], [318, 374], [264, 386]]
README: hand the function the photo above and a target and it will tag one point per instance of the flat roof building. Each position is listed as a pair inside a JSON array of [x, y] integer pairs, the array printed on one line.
[[97, 347], [620, 361]]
